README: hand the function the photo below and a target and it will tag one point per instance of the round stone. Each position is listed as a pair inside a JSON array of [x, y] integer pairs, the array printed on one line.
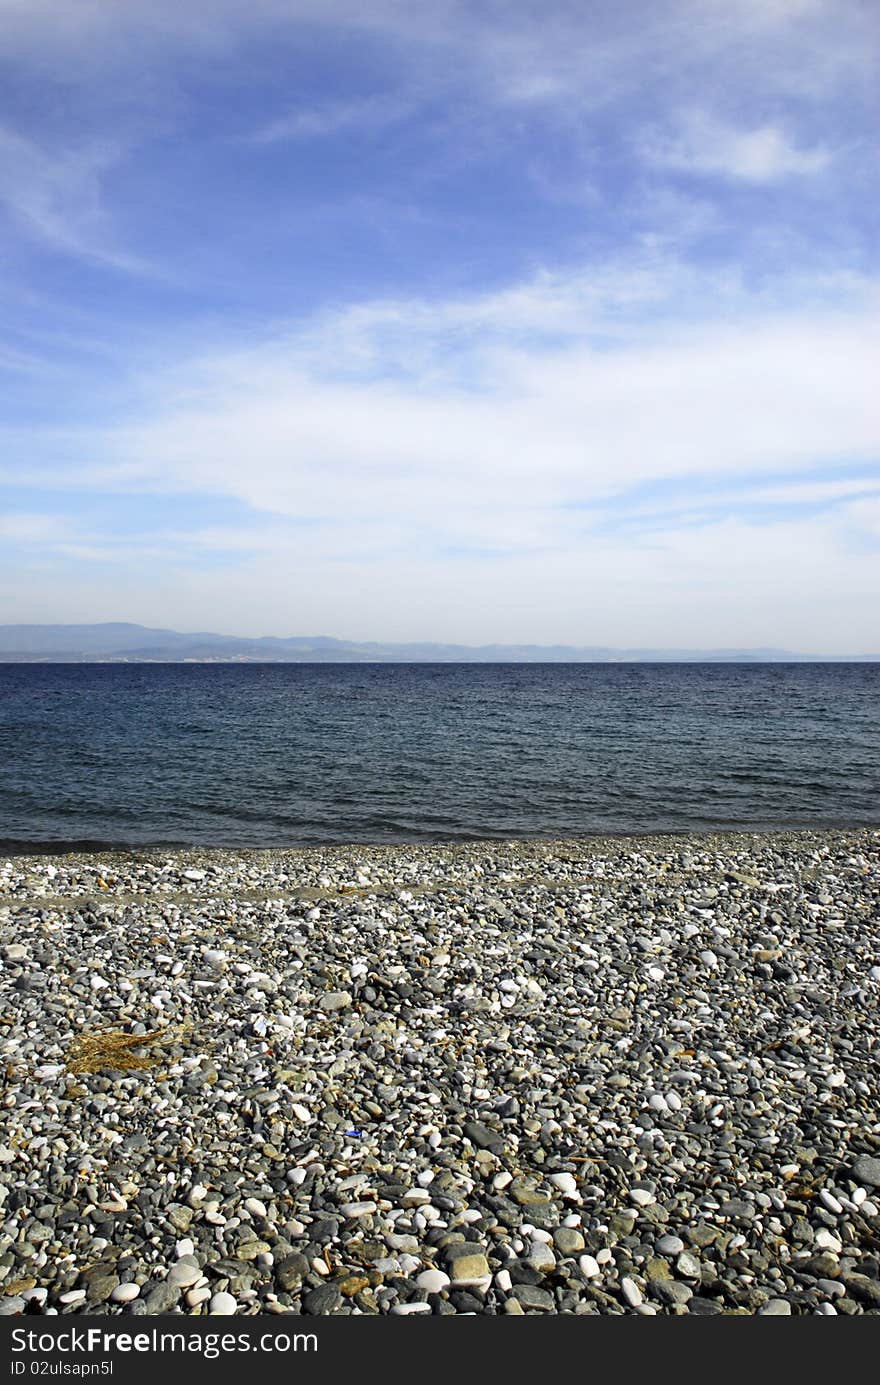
[[433, 1281], [222, 1305], [125, 1293]]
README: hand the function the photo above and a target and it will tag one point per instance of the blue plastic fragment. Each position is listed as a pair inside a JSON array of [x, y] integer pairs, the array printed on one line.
[[357, 1134]]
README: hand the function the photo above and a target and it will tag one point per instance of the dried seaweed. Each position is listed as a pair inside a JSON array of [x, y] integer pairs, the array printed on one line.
[[115, 1050]]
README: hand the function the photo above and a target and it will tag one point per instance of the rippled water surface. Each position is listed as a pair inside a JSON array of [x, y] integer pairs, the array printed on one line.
[[292, 754]]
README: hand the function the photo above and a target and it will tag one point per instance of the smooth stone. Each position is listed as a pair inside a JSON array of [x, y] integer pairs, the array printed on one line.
[[866, 1170], [101, 1285], [672, 1290], [183, 1274], [641, 1197], [631, 1292], [161, 1298], [775, 1308], [565, 1182], [542, 1257], [861, 1286], [483, 1137], [703, 1307], [325, 1299], [222, 1305], [468, 1269], [530, 1296], [125, 1293], [332, 1001], [433, 1281], [829, 1201], [568, 1240], [670, 1245]]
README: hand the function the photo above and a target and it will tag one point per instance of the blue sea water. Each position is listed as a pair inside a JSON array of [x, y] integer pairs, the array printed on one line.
[[298, 754]]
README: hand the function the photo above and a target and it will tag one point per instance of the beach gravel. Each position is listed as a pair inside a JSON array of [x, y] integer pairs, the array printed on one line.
[[625, 1076]]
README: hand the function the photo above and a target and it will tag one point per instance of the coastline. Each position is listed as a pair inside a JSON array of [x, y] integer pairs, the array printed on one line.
[[593, 1075]]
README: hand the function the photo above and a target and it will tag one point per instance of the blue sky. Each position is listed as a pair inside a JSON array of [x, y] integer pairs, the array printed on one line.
[[472, 322]]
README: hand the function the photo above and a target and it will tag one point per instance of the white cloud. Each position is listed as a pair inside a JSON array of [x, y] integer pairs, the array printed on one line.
[[25, 527], [732, 584], [864, 515], [458, 464], [436, 411], [759, 155]]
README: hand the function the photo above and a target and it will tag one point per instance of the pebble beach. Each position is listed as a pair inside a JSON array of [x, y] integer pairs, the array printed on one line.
[[625, 1076]]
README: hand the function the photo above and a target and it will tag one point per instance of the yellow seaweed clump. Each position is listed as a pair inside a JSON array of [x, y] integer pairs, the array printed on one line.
[[115, 1050]]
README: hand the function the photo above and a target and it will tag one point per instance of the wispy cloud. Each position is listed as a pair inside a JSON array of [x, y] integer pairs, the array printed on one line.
[[22, 527], [57, 197], [562, 342], [762, 154], [332, 118], [542, 393]]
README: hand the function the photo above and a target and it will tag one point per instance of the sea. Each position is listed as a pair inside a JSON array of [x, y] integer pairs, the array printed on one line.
[[274, 755]]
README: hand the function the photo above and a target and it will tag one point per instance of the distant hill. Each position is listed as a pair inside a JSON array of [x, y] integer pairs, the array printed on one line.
[[121, 642]]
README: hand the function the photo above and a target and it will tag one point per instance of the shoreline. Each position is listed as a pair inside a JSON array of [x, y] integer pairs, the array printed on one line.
[[589, 1075], [95, 847]]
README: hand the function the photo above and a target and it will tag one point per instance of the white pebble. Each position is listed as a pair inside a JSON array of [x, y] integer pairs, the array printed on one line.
[[433, 1281], [830, 1201], [124, 1293], [589, 1267], [631, 1291], [542, 1257], [670, 1245], [223, 1306], [826, 1240], [565, 1182], [641, 1197]]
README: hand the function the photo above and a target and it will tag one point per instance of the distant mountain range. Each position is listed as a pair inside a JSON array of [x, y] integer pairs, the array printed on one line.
[[120, 642]]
